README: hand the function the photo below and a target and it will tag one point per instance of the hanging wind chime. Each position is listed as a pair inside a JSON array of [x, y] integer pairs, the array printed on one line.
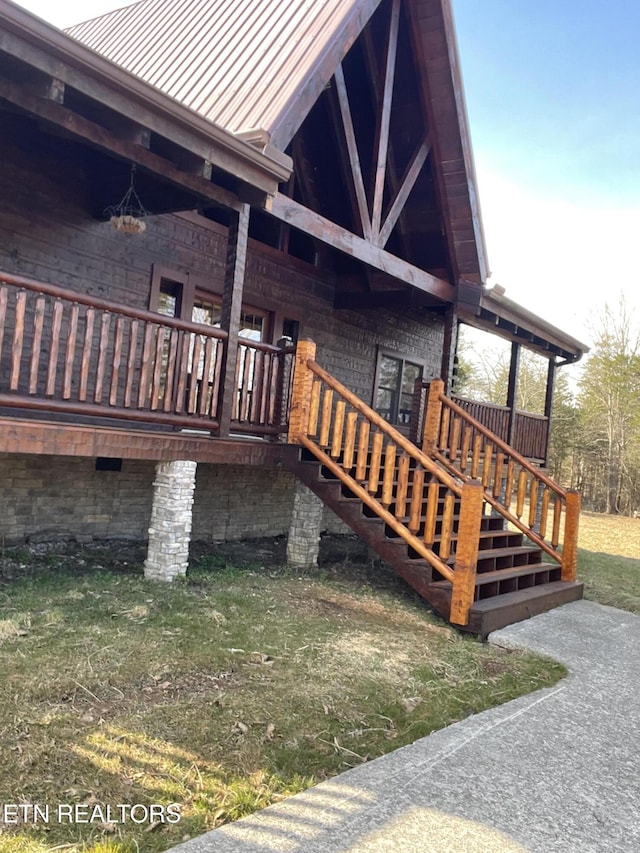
[[129, 214]]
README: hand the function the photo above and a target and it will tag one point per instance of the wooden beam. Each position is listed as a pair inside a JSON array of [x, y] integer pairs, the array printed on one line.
[[548, 403], [104, 140], [237, 243], [408, 182], [384, 119], [328, 232], [512, 390], [354, 157]]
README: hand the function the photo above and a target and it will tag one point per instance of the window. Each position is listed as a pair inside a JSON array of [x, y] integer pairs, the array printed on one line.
[[176, 294], [395, 379]]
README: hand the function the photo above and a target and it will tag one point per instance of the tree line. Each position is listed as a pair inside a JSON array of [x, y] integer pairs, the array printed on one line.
[[595, 424]]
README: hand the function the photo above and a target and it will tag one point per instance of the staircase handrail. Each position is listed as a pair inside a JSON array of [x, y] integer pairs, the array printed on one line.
[[385, 427], [436, 439], [303, 423]]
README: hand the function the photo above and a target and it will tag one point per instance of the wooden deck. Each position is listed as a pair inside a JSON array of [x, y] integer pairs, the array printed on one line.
[[73, 357]]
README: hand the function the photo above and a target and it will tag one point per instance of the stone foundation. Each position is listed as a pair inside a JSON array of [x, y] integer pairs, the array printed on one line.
[[171, 518], [304, 532]]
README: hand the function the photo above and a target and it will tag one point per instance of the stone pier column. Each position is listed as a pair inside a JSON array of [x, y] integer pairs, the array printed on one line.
[[303, 543], [170, 528]]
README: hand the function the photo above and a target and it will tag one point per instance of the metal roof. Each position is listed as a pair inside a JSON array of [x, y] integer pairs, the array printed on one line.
[[239, 63]]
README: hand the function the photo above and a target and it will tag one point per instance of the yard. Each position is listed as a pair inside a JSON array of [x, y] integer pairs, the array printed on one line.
[[222, 693], [233, 688]]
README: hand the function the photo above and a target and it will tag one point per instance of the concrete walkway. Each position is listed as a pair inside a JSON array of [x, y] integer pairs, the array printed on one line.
[[558, 770]]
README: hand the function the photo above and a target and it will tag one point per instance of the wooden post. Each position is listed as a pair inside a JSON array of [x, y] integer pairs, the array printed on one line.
[[548, 405], [432, 417], [464, 573], [512, 391], [449, 349], [301, 391], [231, 311], [570, 544]]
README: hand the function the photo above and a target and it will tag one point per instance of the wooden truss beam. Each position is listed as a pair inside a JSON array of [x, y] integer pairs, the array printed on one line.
[[288, 210], [352, 147], [406, 185], [384, 120]]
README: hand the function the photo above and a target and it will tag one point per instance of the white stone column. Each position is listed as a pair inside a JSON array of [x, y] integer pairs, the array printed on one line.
[[171, 515], [303, 542]]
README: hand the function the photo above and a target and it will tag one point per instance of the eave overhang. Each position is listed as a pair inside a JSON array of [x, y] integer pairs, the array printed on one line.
[[494, 312], [51, 52]]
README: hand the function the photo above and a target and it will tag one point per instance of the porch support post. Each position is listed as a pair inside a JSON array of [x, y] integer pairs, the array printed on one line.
[[512, 391], [303, 543], [449, 349], [171, 515], [231, 311], [548, 404]]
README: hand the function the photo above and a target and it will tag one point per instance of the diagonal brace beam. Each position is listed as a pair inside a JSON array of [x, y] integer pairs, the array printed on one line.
[[408, 182]]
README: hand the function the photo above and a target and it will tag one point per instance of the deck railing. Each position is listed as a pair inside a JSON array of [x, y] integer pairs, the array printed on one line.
[[69, 353], [515, 488], [413, 495], [530, 431]]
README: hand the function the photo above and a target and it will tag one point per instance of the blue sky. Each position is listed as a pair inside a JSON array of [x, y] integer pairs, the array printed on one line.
[[553, 92]]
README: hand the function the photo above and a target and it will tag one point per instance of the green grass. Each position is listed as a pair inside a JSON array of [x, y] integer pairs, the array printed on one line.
[[222, 693], [609, 560]]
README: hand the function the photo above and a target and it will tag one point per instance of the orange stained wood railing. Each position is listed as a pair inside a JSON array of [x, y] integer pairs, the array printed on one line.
[[390, 475], [514, 487], [71, 353]]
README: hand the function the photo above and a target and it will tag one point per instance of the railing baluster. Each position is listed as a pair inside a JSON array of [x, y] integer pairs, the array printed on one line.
[[217, 377], [145, 373], [70, 354], [102, 356], [475, 459], [184, 344], [131, 364], [433, 498], [544, 511], [447, 527], [415, 507], [557, 517], [454, 442], [497, 478], [117, 361], [325, 422], [54, 347], [444, 429], [194, 343], [486, 465], [533, 501], [160, 338], [314, 407], [466, 445], [402, 487], [522, 491], [85, 359], [18, 340], [508, 489], [388, 475], [3, 314], [36, 346], [350, 441], [338, 429], [170, 356], [376, 458], [206, 384], [362, 457]]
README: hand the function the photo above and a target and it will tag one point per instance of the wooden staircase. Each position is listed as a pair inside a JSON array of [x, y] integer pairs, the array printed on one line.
[[443, 520]]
